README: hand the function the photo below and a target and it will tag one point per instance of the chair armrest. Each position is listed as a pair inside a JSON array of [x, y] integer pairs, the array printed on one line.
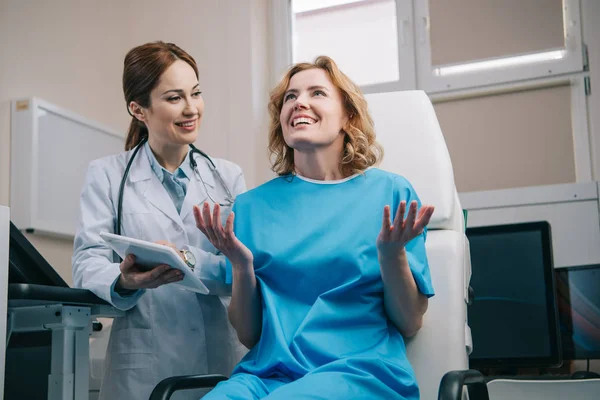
[[168, 386], [452, 384]]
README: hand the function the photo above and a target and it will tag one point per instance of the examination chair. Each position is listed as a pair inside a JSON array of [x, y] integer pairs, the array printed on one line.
[[408, 129]]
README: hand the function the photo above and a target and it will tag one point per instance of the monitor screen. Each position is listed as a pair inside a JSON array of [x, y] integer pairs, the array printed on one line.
[[578, 297], [513, 316], [27, 265]]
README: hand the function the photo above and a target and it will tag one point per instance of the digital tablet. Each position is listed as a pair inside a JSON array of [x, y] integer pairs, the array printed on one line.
[[150, 255]]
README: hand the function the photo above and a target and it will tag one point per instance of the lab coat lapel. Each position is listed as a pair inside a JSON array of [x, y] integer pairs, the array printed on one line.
[[195, 195], [159, 198], [156, 194]]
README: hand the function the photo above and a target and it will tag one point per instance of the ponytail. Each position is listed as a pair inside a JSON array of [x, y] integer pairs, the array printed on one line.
[[137, 132]]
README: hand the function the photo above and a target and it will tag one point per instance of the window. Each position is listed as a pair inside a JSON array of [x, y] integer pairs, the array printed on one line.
[[360, 35], [448, 45], [507, 78]]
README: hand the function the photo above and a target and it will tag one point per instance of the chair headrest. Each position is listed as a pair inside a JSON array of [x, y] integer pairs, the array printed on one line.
[[408, 130]]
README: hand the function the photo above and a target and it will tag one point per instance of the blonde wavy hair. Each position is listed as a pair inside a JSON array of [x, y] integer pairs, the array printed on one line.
[[361, 150]]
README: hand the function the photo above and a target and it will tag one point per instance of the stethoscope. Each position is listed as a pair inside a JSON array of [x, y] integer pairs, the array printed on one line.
[[229, 199]]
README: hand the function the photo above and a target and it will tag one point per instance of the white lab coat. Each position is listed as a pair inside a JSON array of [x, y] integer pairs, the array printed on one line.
[[165, 331]]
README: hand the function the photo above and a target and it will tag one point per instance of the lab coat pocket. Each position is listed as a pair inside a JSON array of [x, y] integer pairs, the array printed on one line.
[[132, 348]]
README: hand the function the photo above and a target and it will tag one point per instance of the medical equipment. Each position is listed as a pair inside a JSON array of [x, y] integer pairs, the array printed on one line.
[[48, 325], [213, 168], [578, 298], [513, 316]]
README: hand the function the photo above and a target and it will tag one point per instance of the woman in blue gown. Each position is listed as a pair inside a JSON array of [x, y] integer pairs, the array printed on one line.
[[327, 261]]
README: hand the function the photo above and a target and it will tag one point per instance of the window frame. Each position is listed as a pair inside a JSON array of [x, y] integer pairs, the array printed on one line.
[[572, 62]]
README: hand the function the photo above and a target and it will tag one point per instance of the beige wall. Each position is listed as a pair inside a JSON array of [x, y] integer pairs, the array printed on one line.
[[70, 53], [465, 30], [510, 140]]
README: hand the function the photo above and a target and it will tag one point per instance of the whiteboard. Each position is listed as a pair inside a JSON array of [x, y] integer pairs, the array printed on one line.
[[51, 149]]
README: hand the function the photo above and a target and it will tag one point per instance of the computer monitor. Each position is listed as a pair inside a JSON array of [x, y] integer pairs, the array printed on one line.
[[513, 315], [578, 297], [27, 265]]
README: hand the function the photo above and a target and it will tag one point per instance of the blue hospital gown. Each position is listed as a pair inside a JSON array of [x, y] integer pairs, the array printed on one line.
[[325, 332]]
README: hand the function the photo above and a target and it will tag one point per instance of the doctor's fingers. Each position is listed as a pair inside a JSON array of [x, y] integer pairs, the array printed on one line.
[[166, 243], [128, 264], [139, 278], [167, 275], [170, 276]]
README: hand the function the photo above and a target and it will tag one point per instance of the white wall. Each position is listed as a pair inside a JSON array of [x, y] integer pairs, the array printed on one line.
[[70, 53]]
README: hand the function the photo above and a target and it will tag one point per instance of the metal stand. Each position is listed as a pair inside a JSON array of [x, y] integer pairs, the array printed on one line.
[[71, 327]]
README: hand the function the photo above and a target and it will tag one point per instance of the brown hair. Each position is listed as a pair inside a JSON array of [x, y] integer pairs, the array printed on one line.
[[361, 150], [143, 67]]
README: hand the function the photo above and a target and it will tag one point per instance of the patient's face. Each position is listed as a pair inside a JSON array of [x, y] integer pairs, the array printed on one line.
[[313, 114]]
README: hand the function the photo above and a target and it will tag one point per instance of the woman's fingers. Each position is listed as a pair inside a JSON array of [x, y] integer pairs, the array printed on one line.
[[210, 233], [229, 235], [210, 224], [200, 224], [412, 215], [399, 218], [405, 229], [217, 227], [424, 217], [386, 224]]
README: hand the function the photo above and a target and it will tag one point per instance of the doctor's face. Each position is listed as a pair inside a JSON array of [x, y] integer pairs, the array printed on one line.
[[176, 107], [312, 115]]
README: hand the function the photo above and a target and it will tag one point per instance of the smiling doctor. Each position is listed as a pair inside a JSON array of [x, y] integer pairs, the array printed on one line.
[[148, 193]]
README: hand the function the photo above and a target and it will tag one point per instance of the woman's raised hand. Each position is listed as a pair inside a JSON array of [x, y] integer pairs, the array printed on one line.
[[393, 237], [221, 237]]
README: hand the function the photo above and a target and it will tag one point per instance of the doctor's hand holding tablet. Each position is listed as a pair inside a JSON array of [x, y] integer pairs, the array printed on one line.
[[134, 277], [148, 265]]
